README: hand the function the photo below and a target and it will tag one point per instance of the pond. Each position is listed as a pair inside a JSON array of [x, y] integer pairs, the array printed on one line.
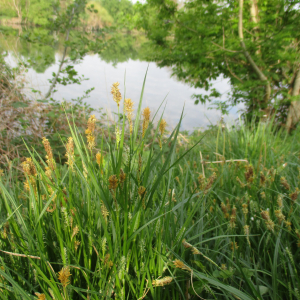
[[122, 65]]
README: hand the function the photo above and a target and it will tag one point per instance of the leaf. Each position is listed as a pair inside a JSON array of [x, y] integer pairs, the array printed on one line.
[[223, 274], [262, 289], [19, 104], [200, 265], [197, 287]]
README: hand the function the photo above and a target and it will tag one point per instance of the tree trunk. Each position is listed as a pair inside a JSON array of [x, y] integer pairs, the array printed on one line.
[[294, 110], [254, 66]]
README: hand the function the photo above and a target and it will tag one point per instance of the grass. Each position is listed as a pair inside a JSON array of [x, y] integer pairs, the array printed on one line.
[[149, 215]]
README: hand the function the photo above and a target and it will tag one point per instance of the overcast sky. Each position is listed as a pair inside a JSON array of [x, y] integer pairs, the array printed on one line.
[[133, 1]]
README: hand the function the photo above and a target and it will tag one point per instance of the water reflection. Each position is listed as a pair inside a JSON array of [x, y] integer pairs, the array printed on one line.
[[124, 57]]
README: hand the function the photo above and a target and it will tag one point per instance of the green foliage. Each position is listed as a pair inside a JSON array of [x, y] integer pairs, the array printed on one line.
[[118, 9], [222, 224], [201, 41], [38, 12], [7, 10], [97, 16]]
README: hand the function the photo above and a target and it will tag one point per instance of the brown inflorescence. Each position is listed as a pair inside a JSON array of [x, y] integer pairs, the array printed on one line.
[[64, 275], [128, 105], [210, 182], [30, 170], [247, 233], [142, 193], [224, 210], [116, 93], [280, 216], [91, 126], [104, 211], [262, 179], [113, 182], [29, 167], [284, 183], [249, 174], [266, 216], [294, 195], [122, 176], [99, 159], [162, 128], [240, 182], [180, 265], [70, 153], [234, 246], [163, 281], [49, 157], [41, 296], [146, 119]]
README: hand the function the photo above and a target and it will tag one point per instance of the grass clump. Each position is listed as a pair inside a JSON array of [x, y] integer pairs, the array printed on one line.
[[145, 215]]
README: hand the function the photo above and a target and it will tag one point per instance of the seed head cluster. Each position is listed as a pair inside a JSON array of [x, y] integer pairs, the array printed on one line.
[[70, 153], [128, 105], [49, 157], [91, 126], [146, 119], [63, 276], [115, 91]]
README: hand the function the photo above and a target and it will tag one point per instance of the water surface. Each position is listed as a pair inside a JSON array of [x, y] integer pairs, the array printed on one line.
[[102, 72]]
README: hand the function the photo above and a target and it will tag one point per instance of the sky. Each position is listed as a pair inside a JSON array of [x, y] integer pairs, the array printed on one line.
[[134, 1]]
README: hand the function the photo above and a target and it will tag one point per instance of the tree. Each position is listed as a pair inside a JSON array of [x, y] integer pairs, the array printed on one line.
[[254, 44], [117, 8]]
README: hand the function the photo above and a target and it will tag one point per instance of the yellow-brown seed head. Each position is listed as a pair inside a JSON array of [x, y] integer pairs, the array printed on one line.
[[63, 276], [186, 244], [122, 176], [245, 208], [113, 182], [284, 183], [234, 246], [41, 296], [288, 225], [104, 211], [246, 229], [279, 201], [116, 93], [70, 153], [29, 167], [265, 215], [179, 264], [99, 158], [128, 105], [76, 245], [163, 281], [279, 215], [91, 126], [294, 195], [141, 191], [146, 116], [50, 161], [162, 126], [249, 174], [75, 231]]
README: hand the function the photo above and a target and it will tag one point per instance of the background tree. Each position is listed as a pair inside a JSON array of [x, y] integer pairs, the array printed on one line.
[[254, 44], [118, 9]]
